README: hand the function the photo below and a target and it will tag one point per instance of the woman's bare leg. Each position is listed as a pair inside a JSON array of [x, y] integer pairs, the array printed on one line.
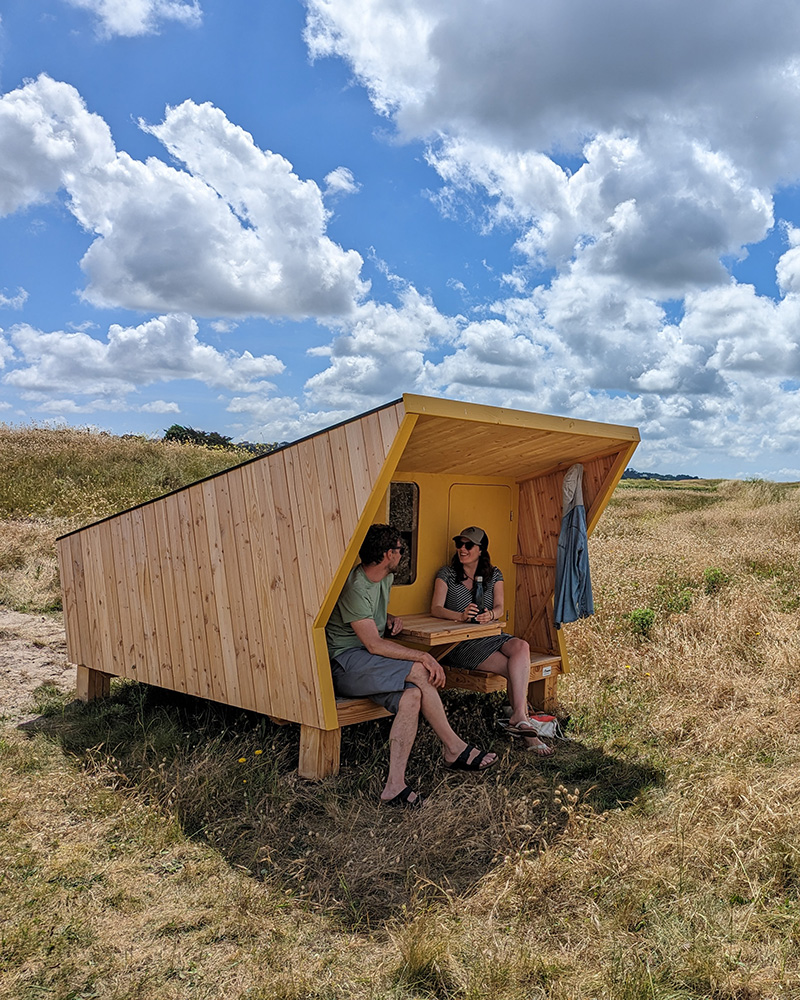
[[513, 661]]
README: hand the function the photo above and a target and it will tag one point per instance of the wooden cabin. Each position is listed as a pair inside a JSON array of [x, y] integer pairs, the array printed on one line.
[[222, 589]]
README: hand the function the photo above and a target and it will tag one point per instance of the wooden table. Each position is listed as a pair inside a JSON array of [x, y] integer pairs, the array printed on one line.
[[439, 636]]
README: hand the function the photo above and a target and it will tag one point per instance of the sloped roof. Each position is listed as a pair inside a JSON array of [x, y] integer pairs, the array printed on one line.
[[473, 439]]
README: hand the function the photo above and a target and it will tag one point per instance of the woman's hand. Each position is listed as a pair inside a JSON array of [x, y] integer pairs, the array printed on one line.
[[471, 614]]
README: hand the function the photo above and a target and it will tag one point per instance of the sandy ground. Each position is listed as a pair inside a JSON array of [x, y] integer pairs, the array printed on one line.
[[33, 650]]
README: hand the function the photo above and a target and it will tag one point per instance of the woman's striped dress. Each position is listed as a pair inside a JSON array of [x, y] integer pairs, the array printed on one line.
[[473, 652]]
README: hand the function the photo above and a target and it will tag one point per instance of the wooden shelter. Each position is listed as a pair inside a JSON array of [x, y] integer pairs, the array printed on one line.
[[222, 589]]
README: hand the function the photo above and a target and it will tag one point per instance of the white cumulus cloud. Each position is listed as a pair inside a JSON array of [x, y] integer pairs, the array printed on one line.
[[630, 151], [139, 17], [340, 181], [237, 233], [13, 301], [381, 354], [108, 371]]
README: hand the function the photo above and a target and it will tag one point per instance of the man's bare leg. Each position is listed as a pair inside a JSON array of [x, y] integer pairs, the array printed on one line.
[[433, 710], [401, 740]]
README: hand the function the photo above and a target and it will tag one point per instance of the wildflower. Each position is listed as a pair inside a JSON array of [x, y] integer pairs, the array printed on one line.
[[243, 760], [259, 752], [627, 666]]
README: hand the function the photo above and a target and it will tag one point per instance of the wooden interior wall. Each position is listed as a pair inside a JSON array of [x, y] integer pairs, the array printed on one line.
[[213, 590], [539, 525]]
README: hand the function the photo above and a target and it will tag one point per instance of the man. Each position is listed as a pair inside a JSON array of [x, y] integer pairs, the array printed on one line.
[[367, 665]]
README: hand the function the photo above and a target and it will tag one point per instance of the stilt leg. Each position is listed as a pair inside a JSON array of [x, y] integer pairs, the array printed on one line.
[[543, 694], [536, 695], [319, 752], [92, 684]]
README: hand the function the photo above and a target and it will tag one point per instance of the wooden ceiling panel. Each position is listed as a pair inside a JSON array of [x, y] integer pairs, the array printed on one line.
[[453, 446]]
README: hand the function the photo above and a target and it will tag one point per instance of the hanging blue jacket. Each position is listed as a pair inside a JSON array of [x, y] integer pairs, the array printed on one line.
[[573, 592]]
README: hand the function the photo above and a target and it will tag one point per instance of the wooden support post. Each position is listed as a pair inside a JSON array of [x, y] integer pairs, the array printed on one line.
[[92, 684], [543, 694], [319, 752]]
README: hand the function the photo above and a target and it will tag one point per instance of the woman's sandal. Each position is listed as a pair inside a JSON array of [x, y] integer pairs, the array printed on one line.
[[463, 763], [540, 748], [402, 800], [524, 728]]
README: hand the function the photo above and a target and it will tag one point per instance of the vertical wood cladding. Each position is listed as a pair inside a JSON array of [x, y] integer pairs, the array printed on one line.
[[213, 590], [539, 525]]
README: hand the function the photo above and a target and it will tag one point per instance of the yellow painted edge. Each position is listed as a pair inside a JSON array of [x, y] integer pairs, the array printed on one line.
[[379, 488], [622, 464], [455, 410], [562, 649]]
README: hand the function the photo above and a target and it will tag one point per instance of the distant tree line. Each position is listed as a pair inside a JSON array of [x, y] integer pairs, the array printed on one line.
[[211, 439], [633, 474]]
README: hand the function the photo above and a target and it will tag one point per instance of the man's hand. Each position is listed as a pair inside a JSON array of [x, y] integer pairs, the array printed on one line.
[[434, 668], [395, 624]]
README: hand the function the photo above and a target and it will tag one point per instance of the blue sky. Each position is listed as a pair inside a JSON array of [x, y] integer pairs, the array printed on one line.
[[260, 219]]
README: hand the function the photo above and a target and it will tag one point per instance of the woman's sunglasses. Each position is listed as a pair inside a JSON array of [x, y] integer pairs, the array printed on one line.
[[462, 544]]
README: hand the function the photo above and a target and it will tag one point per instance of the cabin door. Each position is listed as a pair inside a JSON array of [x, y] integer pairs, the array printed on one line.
[[489, 507]]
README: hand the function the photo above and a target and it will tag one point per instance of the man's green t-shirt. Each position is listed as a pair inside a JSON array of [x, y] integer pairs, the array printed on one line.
[[360, 598]]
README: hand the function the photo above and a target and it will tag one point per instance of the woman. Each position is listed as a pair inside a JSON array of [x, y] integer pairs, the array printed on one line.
[[504, 654]]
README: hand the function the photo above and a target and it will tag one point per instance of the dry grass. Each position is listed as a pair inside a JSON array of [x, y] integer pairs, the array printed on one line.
[[54, 480], [28, 564], [84, 474], [159, 847], [106, 897]]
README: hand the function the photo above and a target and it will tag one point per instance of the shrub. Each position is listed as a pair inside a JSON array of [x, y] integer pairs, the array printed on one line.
[[674, 594], [188, 435], [641, 621], [714, 579]]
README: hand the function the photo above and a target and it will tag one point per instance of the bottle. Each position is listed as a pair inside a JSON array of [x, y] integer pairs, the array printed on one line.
[[479, 599]]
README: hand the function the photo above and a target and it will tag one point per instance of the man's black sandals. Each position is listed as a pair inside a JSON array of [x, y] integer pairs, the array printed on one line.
[[463, 763], [402, 800]]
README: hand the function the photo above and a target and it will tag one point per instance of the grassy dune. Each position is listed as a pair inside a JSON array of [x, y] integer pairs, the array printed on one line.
[[159, 847], [52, 481]]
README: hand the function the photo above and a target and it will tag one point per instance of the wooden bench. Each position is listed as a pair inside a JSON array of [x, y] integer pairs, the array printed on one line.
[[545, 669], [542, 683], [320, 749]]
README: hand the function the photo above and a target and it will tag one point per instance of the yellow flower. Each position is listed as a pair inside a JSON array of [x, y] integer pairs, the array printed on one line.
[[258, 752], [627, 666], [243, 760]]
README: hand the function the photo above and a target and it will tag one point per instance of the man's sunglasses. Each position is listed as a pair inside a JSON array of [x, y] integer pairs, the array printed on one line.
[[462, 544], [399, 548]]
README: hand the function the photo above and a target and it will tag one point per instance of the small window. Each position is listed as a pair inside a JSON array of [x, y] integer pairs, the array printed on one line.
[[403, 515]]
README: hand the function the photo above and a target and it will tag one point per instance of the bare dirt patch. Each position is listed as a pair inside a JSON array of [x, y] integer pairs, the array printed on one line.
[[33, 651]]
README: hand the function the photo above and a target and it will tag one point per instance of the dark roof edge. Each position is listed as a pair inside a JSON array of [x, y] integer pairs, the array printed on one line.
[[239, 465]]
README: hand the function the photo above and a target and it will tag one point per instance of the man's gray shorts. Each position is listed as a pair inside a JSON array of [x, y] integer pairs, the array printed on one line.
[[357, 673]]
